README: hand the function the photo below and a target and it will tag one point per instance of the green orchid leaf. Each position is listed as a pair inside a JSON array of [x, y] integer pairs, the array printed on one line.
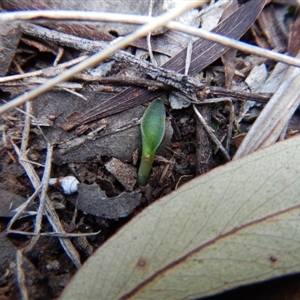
[[153, 130], [153, 127]]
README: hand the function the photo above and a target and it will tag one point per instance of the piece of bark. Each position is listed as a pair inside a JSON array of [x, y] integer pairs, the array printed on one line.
[[120, 144], [257, 78], [92, 200], [9, 179], [41, 46], [9, 38], [118, 135], [8, 202], [274, 79], [126, 174]]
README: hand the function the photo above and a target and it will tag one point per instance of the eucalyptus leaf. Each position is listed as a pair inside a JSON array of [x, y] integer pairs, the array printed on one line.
[[238, 224]]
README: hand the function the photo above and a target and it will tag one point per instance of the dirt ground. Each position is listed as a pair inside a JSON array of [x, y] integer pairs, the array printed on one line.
[[104, 154]]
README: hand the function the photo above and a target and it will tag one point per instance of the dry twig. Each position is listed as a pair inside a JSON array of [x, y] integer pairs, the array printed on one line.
[[274, 117], [21, 276], [47, 72], [45, 180], [100, 56], [231, 117], [152, 58], [49, 210], [19, 210], [211, 134], [135, 19], [26, 129]]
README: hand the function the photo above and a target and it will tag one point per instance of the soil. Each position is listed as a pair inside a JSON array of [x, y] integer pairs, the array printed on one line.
[[47, 267]]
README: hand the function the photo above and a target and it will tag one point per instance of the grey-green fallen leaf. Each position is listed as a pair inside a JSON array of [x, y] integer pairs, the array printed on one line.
[[152, 130], [238, 224]]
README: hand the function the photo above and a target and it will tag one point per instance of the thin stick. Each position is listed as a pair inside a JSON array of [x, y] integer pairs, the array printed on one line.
[[284, 132], [168, 77], [37, 125], [34, 163], [231, 116], [244, 47], [56, 234], [22, 207], [152, 58], [61, 85], [21, 276], [50, 211], [45, 181], [135, 19], [211, 134], [26, 129], [40, 213], [183, 176], [47, 72], [79, 16], [75, 93], [58, 56], [100, 56], [276, 114], [189, 52]]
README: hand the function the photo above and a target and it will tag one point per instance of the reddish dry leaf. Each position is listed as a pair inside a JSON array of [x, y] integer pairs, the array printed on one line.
[[228, 58], [270, 26], [41, 45], [294, 37]]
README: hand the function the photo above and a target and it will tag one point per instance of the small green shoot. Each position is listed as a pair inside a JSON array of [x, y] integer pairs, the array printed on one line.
[[153, 130]]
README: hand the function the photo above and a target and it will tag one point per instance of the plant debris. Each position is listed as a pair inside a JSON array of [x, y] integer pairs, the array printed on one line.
[[94, 201], [89, 126]]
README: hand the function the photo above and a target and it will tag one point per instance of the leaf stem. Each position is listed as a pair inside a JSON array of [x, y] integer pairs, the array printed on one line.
[[145, 169]]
